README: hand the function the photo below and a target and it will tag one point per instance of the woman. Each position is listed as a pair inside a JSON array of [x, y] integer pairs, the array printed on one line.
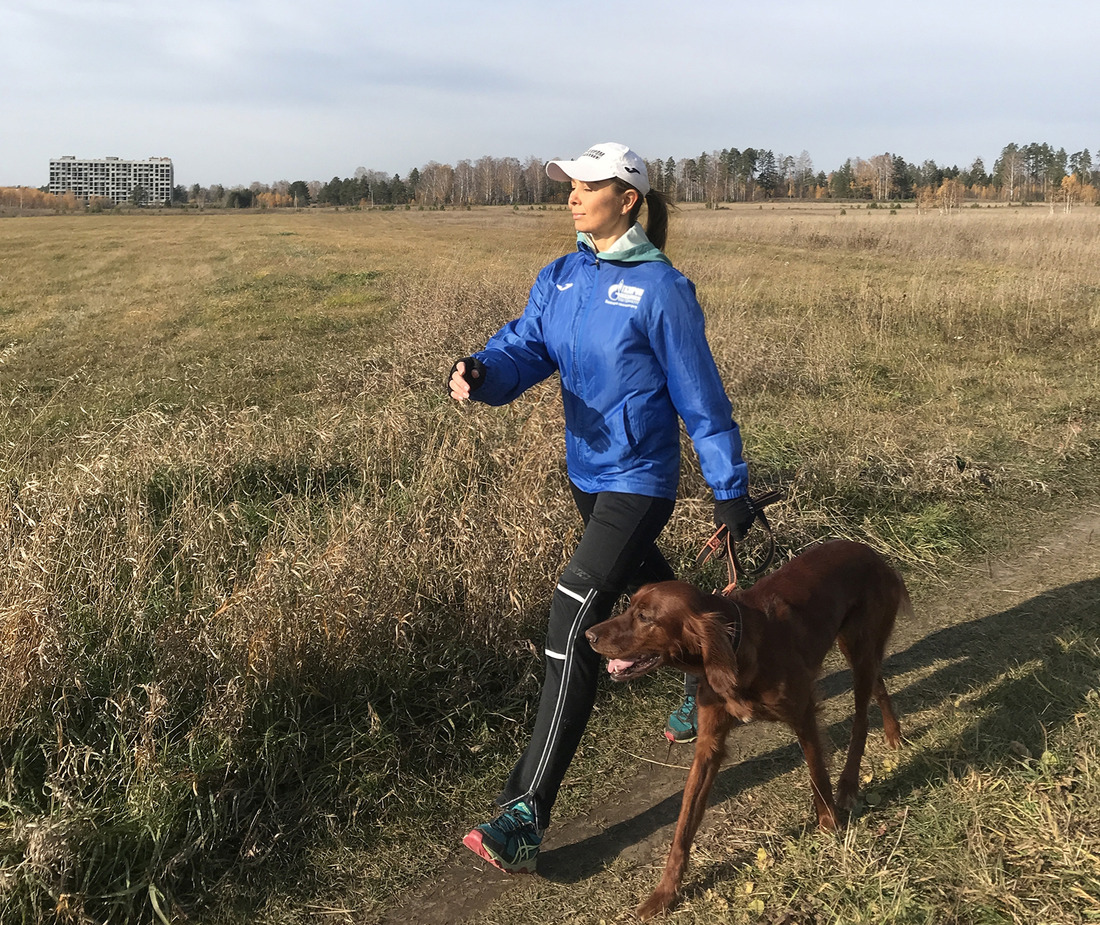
[[625, 332]]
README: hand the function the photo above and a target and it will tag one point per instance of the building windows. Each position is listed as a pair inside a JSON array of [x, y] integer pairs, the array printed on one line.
[[113, 178]]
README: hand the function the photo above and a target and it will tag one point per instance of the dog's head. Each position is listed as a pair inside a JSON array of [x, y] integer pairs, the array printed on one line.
[[667, 623]]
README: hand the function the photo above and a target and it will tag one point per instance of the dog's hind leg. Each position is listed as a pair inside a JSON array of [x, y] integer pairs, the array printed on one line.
[[866, 661], [865, 680], [890, 725]]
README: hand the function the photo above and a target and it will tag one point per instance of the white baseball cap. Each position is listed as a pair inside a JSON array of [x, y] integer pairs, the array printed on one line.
[[602, 162]]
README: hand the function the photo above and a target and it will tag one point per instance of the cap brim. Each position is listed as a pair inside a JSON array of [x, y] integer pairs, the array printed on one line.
[[589, 170]]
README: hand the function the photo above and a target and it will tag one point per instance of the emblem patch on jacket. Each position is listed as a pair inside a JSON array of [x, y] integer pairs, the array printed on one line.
[[622, 294]]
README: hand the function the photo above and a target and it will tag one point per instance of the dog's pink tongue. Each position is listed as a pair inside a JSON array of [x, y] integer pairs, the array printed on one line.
[[618, 664]]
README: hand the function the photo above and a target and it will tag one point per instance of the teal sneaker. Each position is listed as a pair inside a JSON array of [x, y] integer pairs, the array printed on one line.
[[683, 723], [510, 842]]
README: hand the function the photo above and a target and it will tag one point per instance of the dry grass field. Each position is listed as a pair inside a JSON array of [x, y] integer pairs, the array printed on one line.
[[262, 654]]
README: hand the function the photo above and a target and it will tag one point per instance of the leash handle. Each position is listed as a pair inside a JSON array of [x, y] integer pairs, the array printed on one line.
[[721, 543]]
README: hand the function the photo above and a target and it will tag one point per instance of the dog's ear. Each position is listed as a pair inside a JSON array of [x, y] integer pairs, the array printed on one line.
[[719, 659], [746, 662]]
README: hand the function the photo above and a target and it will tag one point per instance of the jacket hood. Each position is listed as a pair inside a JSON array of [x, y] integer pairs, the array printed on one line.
[[632, 247]]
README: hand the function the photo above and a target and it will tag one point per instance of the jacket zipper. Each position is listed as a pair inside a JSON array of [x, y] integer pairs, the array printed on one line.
[[582, 317]]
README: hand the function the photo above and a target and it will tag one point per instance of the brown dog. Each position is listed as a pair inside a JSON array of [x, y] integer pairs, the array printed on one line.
[[757, 654]]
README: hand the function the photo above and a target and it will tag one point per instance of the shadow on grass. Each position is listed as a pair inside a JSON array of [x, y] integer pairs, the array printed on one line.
[[1015, 665]]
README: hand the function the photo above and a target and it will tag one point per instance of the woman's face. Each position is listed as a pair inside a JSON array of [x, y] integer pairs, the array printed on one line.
[[600, 210]]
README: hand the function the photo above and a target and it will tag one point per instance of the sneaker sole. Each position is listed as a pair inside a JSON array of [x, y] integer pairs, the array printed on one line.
[[675, 741], [474, 842]]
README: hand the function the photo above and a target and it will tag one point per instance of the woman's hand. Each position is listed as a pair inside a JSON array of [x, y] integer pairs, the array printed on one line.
[[460, 388], [737, 514], [467, 375]]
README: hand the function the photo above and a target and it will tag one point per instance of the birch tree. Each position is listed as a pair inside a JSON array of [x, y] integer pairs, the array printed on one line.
[[950, 195], [882, 177], [486, 179], [1009, 169], [534, 172], [803, 174], [509, 171], [465, 183], [435, 184]]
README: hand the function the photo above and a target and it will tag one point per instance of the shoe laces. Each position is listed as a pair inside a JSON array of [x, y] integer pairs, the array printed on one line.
[[687, 707], [513, 819]]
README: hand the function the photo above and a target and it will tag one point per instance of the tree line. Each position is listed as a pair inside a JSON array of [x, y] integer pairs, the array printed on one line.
[[1034, 172], [1023, 173]]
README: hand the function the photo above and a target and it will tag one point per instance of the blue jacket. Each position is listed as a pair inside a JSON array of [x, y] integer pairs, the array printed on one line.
[[626, 333]]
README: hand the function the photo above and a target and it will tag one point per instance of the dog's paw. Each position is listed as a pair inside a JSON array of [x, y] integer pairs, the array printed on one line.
[[826, 820], [658, 902], [845, 796]]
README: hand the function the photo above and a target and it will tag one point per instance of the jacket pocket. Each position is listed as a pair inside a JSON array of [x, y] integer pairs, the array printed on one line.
[[628, 429]]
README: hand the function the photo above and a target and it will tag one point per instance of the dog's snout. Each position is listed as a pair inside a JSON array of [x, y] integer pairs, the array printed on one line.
[[592, 636]]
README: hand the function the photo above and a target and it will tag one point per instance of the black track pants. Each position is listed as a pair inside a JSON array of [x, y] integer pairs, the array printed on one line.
[[616, 554]]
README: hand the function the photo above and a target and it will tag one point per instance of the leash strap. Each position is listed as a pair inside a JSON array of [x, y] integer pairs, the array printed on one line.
[[721, 543]]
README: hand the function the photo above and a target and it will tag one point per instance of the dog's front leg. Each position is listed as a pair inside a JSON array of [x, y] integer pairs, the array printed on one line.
[[810, 739], [847, 784], [714, 724]]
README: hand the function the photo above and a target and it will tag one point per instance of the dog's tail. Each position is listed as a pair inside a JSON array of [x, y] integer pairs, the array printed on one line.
[[905, 603]]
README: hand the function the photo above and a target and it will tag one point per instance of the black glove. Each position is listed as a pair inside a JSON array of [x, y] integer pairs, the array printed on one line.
[[474, 373], [737, 514]]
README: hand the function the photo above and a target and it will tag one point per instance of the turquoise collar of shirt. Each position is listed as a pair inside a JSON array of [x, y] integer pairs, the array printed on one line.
[[632, 247]]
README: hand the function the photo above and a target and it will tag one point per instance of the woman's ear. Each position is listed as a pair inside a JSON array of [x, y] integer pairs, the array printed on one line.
[[630, 199]]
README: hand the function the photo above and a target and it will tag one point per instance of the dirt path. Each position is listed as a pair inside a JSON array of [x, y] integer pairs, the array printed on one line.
[[635, 827]]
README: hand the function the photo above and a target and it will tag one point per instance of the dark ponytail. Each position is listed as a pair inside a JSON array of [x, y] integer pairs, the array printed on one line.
[[656, 221]]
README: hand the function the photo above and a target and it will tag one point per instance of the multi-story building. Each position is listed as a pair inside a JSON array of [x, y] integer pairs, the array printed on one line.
[[115, 179]]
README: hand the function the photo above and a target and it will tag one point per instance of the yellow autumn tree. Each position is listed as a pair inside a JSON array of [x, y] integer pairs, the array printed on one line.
[[26, 197], [864, 179], [273, 200], [1075, 192], [950, 195], [926, 198]]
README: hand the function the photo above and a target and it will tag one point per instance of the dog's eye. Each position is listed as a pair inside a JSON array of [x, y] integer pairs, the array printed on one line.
[[644, 617]]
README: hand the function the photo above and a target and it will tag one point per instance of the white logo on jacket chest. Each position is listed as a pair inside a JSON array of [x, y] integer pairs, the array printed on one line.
[[622, 294]]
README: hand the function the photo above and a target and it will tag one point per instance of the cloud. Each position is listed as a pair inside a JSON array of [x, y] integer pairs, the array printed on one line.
[[236, 90]]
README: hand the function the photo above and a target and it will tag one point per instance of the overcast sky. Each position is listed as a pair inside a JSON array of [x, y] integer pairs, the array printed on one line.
[[242, 90]]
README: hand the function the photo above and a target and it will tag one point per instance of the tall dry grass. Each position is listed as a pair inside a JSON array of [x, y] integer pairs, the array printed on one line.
[[271, 603]]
